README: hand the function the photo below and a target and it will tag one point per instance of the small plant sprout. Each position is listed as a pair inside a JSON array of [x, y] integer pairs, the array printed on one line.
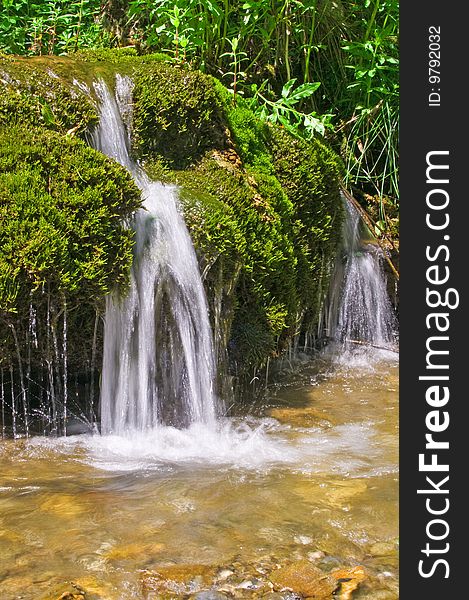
[[237, 57]]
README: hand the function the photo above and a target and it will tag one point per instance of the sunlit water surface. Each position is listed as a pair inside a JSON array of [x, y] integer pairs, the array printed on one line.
[[310, 474]]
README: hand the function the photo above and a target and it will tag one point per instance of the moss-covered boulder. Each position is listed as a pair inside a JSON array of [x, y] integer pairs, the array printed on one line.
[[32, 93], [63, 241], [262, 207], [177, 114]]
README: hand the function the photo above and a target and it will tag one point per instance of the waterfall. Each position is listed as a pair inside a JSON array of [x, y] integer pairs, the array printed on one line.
[[359, 309], [158, 364]]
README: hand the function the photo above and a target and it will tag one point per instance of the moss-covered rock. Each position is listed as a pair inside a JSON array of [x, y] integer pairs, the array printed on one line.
[[262, 207], [62, 238], [177, 114], [34, 94], [281, 196]]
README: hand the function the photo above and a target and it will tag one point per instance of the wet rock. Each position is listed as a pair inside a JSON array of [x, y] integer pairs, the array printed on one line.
[[349, 580], [179, 579], [228, 589], [383, 549], [250, 584], [224, 574], [329, 562], [315, 556], [66, 591], [96, 589], [305, 579], [305, 540]]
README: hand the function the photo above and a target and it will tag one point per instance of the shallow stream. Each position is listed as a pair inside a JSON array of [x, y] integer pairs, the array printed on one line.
[[311, 475]]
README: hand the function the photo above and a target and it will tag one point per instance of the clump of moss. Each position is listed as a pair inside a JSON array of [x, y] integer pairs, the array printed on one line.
[[62, 239], [309, 173], [112, 55], [117, 56], [177, 114], [36, 96], [62, 207]]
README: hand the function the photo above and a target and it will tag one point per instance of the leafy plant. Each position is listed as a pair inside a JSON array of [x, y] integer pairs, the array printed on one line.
[[285, 109], [50, 27]]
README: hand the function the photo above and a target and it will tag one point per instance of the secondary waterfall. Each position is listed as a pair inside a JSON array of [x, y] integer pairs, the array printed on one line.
[[158, 364], [359, 308]]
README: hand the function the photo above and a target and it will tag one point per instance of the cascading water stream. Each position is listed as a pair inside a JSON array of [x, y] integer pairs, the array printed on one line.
[[158, 364], [359, 310]]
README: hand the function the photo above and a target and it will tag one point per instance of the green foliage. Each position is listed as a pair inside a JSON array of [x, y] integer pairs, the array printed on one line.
[[237, 57], [62, 206], [265, 47], [50, 26], [273, 53], [372, 133], [284, 111]]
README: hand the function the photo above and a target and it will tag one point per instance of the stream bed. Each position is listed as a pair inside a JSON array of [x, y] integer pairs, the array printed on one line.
[[307, 477]]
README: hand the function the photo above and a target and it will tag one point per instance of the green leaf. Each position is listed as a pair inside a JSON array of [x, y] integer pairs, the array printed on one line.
[[288, 87]]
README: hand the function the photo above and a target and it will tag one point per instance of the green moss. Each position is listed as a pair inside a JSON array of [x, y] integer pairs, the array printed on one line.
[[177, 114], [112, 55], [118, 55], [32, 95], [62, 207], [251, 138], [309, 173]]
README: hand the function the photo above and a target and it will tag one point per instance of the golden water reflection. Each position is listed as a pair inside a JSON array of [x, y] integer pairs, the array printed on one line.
[[64, 515]]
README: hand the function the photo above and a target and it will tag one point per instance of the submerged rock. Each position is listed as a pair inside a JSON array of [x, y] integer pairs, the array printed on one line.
[[349, 580], [179, 579], [66, 506], [67, 591], [305, 579], [133, 552], [302, 417], [383, 549]]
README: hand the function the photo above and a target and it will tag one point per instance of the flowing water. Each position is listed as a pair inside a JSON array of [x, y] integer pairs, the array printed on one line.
[[158, 353], [359, 310], [311, 474]]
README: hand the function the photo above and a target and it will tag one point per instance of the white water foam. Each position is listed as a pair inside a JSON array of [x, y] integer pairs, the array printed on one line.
[[259, 445]]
